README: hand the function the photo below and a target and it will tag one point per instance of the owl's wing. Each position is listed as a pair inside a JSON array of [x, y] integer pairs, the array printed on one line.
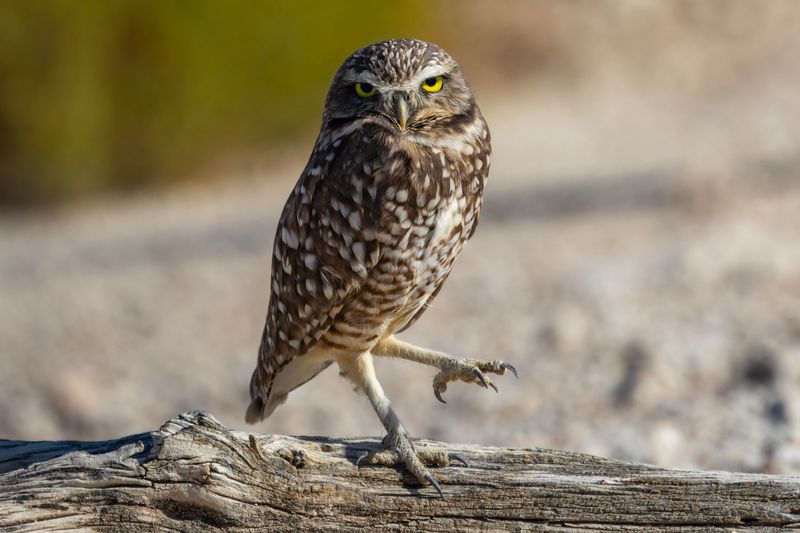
[[325, 245]]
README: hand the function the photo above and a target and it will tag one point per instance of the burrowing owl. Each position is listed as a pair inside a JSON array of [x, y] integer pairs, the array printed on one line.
[[392, 191]]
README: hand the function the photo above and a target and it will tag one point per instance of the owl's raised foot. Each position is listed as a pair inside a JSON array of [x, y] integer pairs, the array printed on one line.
[[471, 371], [398, 449]]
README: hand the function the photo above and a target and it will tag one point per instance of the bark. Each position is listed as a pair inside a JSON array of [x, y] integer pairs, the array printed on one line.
[[193, 474]]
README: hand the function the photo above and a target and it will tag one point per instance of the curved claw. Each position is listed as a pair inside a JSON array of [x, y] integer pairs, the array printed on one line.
[[458, 458], [362, 457], [478, 374], [432, 480], [509, 367], [438, 394]]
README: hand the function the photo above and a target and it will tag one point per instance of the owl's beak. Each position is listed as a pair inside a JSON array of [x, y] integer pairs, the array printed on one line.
[[401, 109]]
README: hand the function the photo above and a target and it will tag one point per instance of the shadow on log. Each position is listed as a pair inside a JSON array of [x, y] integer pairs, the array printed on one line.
[[194, 474]]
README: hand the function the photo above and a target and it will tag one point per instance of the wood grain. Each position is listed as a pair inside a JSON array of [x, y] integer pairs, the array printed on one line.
[[193, 474]]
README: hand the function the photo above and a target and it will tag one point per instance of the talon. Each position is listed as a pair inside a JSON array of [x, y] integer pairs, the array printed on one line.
[[458, 458], [492, 385], [478, 374], [361, 457], [432, 480], [510, 367], [438, 395]]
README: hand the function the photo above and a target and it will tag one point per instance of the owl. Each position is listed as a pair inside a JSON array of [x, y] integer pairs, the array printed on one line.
[[392, 191]]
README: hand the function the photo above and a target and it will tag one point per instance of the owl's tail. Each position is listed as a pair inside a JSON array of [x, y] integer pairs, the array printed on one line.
[[261, 408]]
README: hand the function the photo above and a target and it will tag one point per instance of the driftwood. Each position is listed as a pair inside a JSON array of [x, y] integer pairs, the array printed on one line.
[[193, 474]]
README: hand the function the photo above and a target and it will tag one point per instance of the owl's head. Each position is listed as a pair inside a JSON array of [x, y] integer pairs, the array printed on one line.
[[405, 85]]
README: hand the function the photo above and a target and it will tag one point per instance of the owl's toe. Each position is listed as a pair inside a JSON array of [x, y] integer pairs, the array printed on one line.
[[508, 366], [398, 449], [470, 371]]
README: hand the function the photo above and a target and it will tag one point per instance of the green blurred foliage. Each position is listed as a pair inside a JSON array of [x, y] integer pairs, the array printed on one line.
[[118, 94]]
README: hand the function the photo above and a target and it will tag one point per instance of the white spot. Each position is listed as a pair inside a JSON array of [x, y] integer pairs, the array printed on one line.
[[311, 287], [402, 195], [289, 237], [420, 231], [355, 220], [327, 290], [359, 251], [343, 209], [311, 261], [368, 234], [401, 213], [395, 165]]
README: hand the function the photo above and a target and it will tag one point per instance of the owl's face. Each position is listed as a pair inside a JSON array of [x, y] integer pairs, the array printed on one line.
[[404, 85]]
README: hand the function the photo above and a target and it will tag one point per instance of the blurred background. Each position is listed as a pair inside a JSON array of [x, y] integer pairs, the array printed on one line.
[[637, 259]]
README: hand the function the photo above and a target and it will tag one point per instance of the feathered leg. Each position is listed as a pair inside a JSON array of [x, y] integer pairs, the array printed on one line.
[[361, 372]]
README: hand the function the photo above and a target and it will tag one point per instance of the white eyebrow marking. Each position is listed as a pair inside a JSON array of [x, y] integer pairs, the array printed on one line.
[[364, 76], [430, 71]]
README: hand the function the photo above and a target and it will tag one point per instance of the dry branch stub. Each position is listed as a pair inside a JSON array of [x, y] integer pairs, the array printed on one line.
[[193, 474]]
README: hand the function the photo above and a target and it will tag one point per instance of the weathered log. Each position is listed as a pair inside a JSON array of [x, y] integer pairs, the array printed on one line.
[[194, 474]]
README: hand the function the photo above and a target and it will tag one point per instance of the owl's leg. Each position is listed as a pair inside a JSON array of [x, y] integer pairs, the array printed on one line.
[[451, 368], [361, 372]]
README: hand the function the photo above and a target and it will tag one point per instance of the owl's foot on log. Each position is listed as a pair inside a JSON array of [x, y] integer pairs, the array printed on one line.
[[398, 449], [469, 370]]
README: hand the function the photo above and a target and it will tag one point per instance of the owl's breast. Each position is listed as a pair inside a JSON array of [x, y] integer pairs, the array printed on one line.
[[427, 202]]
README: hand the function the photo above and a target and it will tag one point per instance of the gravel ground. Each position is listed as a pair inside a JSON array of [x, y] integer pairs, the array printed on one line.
[[637, 261]]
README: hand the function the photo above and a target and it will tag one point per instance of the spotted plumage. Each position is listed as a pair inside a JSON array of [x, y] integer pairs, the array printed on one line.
[[392, 191]]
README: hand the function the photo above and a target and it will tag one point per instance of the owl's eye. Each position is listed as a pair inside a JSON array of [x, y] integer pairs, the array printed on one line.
[[433, 85], [365, 90]]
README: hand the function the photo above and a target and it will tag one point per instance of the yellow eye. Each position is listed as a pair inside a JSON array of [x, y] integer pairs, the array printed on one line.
[[365, 90], [433, 85]]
